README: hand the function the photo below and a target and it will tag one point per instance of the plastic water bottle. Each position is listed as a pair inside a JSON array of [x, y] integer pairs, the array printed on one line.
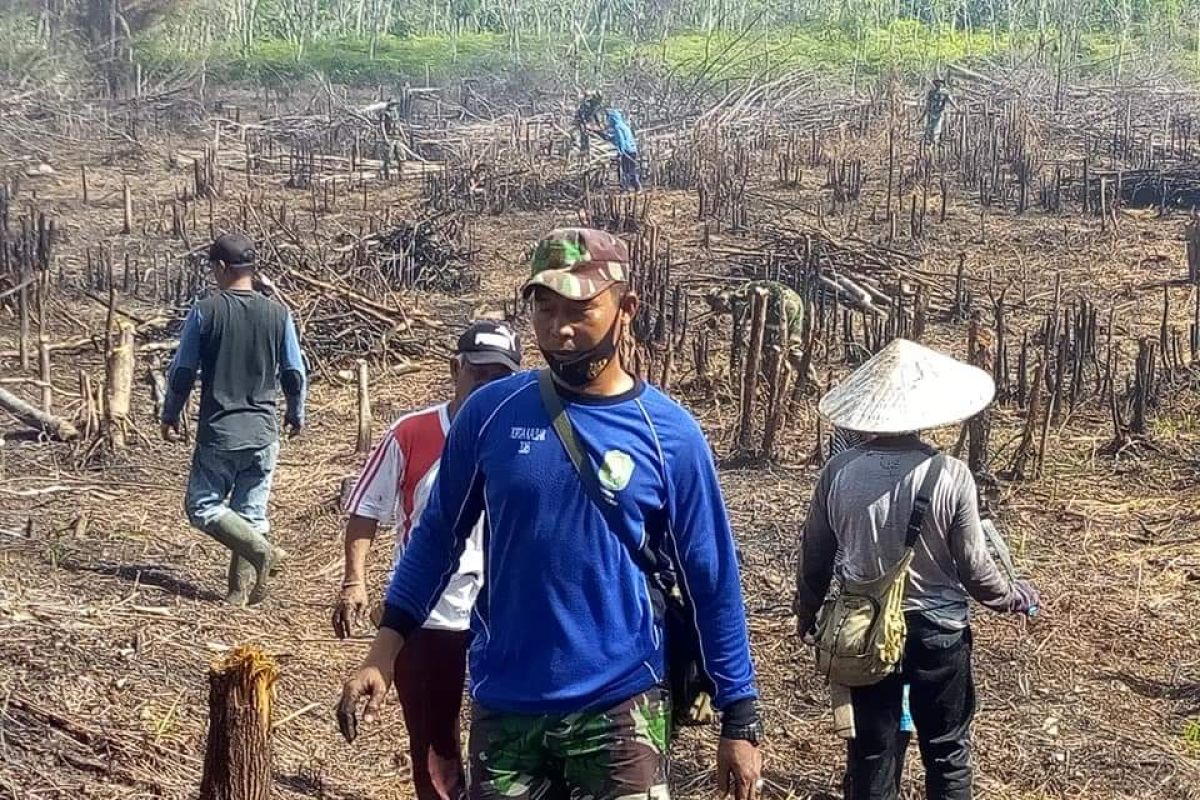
[[906, 720]]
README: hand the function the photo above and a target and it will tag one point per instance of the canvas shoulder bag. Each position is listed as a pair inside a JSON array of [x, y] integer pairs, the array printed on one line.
[[861, 633], [689, 688]]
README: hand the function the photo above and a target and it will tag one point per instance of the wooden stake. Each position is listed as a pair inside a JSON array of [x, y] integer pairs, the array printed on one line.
[[776, 415], [91, 422], [1191, 232], [753, 364], [44, 364], [127, 196], [118, 386], [1025, 450], [237, 758], [959, 285], [1143, 380], [23, 340], [363, 442]]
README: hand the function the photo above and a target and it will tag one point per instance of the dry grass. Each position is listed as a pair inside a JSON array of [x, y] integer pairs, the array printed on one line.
[[109, 608]]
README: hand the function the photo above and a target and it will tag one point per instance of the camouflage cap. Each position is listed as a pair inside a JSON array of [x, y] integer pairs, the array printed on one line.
[[578, 263]]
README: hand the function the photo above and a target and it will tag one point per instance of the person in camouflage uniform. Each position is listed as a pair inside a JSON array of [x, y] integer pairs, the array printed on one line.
[[612, 753], [935, 111], [785, 317]]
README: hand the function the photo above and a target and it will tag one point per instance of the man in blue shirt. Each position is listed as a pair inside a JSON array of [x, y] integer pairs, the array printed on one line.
[[618, 133], [568, 661], [244, 346]]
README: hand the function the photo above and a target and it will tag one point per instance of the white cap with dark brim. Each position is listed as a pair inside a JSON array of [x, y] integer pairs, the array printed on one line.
[[907, 387]]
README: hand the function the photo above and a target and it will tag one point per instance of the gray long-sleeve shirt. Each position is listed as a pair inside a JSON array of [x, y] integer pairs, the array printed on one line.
[[861, 506]]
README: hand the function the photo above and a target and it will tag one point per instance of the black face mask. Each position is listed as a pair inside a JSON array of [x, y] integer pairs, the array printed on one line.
[[580, 369]]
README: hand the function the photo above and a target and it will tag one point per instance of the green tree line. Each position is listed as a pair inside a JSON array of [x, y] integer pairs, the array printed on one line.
[[456, 36]]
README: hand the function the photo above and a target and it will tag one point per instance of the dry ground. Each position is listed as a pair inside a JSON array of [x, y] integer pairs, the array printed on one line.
[[109, 607]]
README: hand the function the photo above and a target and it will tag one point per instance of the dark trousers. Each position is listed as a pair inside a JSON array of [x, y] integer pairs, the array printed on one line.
[[627, 172], [902, 740], [937, 667], [430, 672]]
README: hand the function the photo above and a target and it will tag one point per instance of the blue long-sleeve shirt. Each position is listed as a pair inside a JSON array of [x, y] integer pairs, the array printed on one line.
[[565, 621], [243, 346], [619, 134]]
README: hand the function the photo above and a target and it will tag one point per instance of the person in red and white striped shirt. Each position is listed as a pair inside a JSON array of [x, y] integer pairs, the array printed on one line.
[[392, 489]]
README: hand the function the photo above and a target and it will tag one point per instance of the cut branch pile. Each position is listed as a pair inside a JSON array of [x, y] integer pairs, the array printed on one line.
[[880, 280], [433, 253], [1172, 187]]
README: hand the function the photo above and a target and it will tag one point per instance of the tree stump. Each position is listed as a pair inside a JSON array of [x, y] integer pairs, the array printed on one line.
[[119, 387], [237, 760]]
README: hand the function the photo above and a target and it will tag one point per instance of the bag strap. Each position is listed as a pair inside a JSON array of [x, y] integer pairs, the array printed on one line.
[[916, 521], [606, 502]]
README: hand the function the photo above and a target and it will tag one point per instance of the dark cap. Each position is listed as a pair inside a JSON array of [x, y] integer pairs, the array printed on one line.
[[234, 250], [487, 342]]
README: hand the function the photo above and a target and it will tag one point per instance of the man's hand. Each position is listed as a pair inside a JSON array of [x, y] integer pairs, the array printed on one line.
[[371, 683], [351, 605], [170, 432], [806, 629], [1025, 598], [739, 768], [292, 427]]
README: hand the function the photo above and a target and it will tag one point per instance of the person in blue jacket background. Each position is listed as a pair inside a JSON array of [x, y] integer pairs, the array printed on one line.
[[618, 133], [567, 661]]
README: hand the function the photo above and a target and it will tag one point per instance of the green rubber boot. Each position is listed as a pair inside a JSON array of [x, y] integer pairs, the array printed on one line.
[[240, 578], [241, 575], [246, 544]]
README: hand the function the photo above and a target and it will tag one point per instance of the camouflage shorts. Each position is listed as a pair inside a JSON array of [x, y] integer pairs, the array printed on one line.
[[616, 754]]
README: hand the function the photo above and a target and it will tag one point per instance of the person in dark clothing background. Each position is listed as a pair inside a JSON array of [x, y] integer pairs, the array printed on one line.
[[935, 111], [588, 115], [243, 346]]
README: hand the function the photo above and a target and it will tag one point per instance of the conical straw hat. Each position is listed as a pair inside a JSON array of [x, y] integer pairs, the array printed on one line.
[[907, 387]]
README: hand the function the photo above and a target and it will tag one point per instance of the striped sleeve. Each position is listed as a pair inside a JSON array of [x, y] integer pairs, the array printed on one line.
[[374, 495]]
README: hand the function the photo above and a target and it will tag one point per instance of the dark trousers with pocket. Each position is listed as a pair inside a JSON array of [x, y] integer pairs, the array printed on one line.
[[937, 667]]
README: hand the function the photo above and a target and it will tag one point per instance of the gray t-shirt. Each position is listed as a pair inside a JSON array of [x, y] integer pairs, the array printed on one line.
[[861, 506]]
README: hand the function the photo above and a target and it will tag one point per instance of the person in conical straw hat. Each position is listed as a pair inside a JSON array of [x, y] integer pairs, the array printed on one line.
[[863, 505]]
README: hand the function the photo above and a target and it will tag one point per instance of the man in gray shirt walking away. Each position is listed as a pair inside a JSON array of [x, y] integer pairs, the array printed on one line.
[[861, 506], [243, 346]]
